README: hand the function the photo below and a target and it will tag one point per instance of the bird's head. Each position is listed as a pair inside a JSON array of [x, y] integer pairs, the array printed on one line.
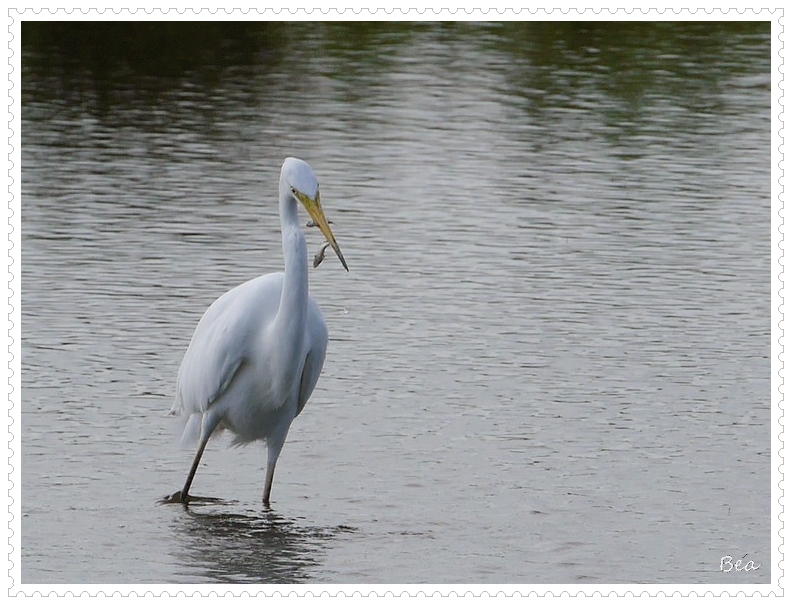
[[299, 181]]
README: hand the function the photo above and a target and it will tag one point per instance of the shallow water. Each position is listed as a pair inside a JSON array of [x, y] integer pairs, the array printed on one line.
[[549, 362]]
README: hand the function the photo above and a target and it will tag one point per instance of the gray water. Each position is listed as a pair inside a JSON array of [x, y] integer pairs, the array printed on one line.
[[549, 362]]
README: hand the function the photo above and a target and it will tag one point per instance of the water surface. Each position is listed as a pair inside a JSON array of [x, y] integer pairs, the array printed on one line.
[[549, 362]]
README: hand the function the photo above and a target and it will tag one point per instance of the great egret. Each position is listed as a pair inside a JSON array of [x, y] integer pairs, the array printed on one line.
[[256, 354]]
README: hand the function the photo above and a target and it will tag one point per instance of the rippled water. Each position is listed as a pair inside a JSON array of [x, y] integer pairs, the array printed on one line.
[[550, 361]]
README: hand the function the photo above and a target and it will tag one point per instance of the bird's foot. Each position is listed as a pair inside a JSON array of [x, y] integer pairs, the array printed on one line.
[[175, 498]]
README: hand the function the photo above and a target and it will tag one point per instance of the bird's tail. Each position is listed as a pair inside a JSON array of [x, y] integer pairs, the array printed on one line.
[[192, 430]]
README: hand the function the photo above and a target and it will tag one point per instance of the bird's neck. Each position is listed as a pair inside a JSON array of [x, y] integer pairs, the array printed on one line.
[[290, 321]]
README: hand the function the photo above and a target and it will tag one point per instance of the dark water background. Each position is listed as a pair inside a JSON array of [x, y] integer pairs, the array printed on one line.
[[550, 361]]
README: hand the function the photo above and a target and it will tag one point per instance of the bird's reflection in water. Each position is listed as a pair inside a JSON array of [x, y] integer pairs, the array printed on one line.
[[250, 546]]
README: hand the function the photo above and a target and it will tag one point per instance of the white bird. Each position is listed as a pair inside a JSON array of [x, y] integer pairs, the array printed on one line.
[[256, 354]]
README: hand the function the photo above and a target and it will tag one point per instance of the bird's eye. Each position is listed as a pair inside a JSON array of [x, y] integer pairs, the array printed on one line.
[[294, 191]]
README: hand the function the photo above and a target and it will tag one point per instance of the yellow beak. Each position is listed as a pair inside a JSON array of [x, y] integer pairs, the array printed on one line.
[[314, 208]]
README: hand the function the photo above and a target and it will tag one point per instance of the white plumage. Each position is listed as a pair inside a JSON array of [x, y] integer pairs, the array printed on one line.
[[258, 350]]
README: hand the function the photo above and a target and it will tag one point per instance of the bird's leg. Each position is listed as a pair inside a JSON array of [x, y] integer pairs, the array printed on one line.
[[274, 446], [182, 497], [268, 482], [193, 468]]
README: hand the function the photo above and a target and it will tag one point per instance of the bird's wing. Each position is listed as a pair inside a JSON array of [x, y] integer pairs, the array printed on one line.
[[314, 360], [207, 371], [221, 344]]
